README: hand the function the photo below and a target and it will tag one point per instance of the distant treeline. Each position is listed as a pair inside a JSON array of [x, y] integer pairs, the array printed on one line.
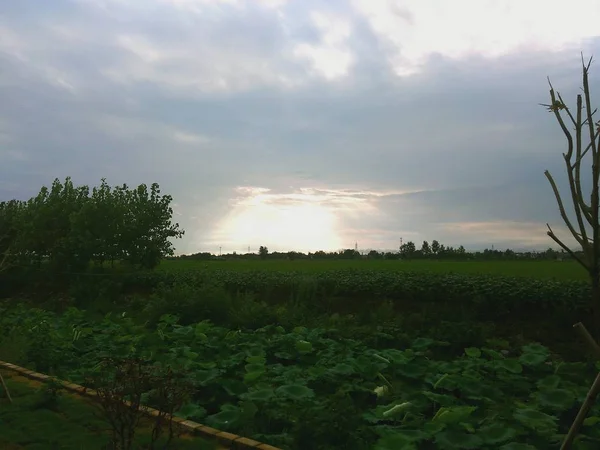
[[407, 251]]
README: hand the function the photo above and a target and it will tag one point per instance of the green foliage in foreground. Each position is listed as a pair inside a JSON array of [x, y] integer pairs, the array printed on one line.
[[306, 388]]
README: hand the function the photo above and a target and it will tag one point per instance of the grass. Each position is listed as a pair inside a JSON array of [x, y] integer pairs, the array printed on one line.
[[35, 422], [560, 270]]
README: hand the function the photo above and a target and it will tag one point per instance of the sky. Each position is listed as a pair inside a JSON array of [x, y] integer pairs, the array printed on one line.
[[301, 124]]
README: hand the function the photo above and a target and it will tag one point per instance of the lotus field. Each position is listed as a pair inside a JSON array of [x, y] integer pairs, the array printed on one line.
[[350, 356]]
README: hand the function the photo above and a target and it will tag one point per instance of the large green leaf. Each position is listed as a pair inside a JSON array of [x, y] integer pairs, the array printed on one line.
[[225, 420], [557, 399], [255, 368], [253, 376], [261, 395], [421, 343], [410, 369], [534, 354], [536, 420], [549, 382], [453, 414], [233, 387], [256, 360], [295, 391], [517, 446], [443, 400], [191, 411], [509, 365], [452, 439], [496, 433], [342, 369], [401, 440], [472, 352], [533, 359], [304, 346]]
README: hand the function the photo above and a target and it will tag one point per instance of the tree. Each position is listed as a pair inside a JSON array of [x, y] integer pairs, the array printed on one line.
[[425, 249], [263, 252], [67, 227], [587, 229], [408, 249], [10, 213], [435, 247], [349, 253], [46, 225], [374, 254], [147, 226]]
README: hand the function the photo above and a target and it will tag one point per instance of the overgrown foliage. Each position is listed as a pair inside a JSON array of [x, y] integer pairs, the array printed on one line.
[[309, 388], [68, 227]]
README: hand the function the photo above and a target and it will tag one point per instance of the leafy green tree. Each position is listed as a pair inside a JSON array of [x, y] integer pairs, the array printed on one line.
[[147, 226], [263, 252], [10, 214], [349, 253], [408, 249], [98, 226], [67, 227], [425, 249], [46, 225], [435, 247], [374, 254]]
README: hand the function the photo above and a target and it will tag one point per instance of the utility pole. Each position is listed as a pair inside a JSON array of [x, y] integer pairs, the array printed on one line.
[[219, 250]]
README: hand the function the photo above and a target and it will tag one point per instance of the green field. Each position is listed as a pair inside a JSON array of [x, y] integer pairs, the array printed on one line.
[[560, 270], [321, 355]]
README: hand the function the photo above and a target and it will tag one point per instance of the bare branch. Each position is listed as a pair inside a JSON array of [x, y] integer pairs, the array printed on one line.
[[566, 108], [585, 151], [566, 248], [563, 213], [555, 108]]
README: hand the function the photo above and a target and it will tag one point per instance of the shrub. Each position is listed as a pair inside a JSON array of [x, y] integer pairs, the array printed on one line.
[[191, 303]]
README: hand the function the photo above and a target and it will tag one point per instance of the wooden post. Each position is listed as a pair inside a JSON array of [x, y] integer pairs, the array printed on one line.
[[591, 395], [5, 388]]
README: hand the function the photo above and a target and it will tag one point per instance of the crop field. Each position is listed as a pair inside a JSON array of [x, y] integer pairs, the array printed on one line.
[[322, 355], [560, 270], [310, 388]]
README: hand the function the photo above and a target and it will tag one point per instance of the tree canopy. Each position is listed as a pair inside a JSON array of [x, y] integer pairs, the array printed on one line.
[[70, 227]]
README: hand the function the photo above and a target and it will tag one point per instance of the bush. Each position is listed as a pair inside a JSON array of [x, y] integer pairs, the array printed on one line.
[[247, 312], [89, 289], [191, 304]]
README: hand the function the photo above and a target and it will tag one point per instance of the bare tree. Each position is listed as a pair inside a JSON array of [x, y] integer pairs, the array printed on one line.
[[586, 231]]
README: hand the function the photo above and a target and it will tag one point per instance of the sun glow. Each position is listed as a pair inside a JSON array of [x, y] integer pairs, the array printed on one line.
[[295, 222]]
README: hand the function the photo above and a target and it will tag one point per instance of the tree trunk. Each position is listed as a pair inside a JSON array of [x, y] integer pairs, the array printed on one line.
[[596, 305]]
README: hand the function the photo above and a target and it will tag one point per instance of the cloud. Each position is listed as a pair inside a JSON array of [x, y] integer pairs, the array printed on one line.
[[299, 124]]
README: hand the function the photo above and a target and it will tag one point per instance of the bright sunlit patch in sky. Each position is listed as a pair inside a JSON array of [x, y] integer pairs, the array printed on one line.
[[295, 221]]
